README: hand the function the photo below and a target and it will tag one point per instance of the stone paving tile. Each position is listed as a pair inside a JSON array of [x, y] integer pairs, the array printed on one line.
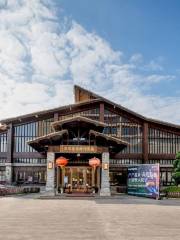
[[126, 218]]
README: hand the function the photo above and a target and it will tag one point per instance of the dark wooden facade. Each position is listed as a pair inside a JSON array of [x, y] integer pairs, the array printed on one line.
[[150, 141]]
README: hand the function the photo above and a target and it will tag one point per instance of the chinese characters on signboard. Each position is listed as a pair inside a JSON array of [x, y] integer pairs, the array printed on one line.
[[77, 148], [80, 149], [143, 180]]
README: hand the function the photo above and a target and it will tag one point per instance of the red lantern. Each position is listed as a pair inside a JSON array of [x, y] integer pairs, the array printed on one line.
[[94, 162], [61, 162]]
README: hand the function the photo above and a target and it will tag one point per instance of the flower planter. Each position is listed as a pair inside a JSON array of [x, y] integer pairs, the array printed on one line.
[[173, 194], [18, 190]]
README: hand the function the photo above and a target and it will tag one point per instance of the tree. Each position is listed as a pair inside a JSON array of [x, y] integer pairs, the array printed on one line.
[[176, 165]]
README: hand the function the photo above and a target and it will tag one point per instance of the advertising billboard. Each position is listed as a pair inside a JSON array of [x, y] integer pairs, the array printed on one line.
[[143, 180]]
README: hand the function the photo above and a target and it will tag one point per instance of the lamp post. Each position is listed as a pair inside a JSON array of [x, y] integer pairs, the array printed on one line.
[[61, 162], [94, 162]]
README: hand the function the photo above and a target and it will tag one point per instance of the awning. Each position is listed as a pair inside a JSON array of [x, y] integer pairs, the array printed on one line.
[[40, 143], [111, 141], [81, 121]]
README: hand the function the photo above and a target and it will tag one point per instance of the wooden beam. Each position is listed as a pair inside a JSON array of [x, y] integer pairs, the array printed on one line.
[[28, 155], [141, 156], [127, 156], [164, 128], [161, 156], [124, 113], [101, 112]]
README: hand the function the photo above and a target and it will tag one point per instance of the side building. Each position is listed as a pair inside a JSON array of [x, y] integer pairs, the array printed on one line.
[[128, 137]]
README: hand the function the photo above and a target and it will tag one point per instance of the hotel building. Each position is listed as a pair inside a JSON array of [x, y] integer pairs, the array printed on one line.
[[91, 127]]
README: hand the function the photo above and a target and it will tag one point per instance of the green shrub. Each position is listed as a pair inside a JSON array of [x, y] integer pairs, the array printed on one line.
[[176, 177], [178, 155], [171, 189], [176, 165]]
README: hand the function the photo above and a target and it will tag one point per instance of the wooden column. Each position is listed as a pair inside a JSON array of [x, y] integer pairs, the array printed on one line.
[[9, 143], [58, 178], [145, 142], [71, 173], [9, 159], [84, 177], [62, 178], [98, 178], [93, 177], [101, 112]]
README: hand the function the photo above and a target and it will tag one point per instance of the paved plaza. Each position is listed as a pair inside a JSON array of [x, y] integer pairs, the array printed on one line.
[[123, 218]]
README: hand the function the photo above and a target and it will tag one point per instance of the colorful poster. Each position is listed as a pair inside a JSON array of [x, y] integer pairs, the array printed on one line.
[[143, 180]]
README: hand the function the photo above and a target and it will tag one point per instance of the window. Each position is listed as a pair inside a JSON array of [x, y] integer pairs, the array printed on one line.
[[125, 129], [2, 175], [163, 142], [29, 131], [3, 142], [118, 178], [30, 175], [30, 160], [120, 162], [166, 177]]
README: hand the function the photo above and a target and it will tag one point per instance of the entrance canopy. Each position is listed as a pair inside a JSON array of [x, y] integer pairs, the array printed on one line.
[[78, 121], [78, 134], [106, 140], [41, 143]]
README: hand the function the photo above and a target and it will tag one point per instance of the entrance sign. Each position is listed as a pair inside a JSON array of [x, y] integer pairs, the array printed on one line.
[[80, 149], [143, 180]]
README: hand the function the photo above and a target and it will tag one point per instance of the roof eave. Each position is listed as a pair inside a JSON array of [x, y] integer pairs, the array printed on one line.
[[37, 115]]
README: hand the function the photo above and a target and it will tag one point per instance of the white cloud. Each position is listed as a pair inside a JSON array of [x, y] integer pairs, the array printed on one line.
[[137, 58], [42, 55], [155, 64]]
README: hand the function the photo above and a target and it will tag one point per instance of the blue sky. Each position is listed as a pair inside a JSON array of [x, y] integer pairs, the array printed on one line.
[[151, 28], [127, 51]]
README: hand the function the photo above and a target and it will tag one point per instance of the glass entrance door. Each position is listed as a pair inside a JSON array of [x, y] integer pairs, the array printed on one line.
[[78, 179]]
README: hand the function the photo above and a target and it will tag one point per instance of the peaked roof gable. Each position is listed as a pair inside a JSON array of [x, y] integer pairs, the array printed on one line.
[[92, 95], [84, 97], [81, 94]]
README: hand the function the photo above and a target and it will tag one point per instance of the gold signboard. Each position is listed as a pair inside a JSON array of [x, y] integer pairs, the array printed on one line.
[[80, 149]]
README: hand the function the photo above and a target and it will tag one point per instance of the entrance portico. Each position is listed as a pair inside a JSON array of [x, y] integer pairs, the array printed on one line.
[[78, 139]]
